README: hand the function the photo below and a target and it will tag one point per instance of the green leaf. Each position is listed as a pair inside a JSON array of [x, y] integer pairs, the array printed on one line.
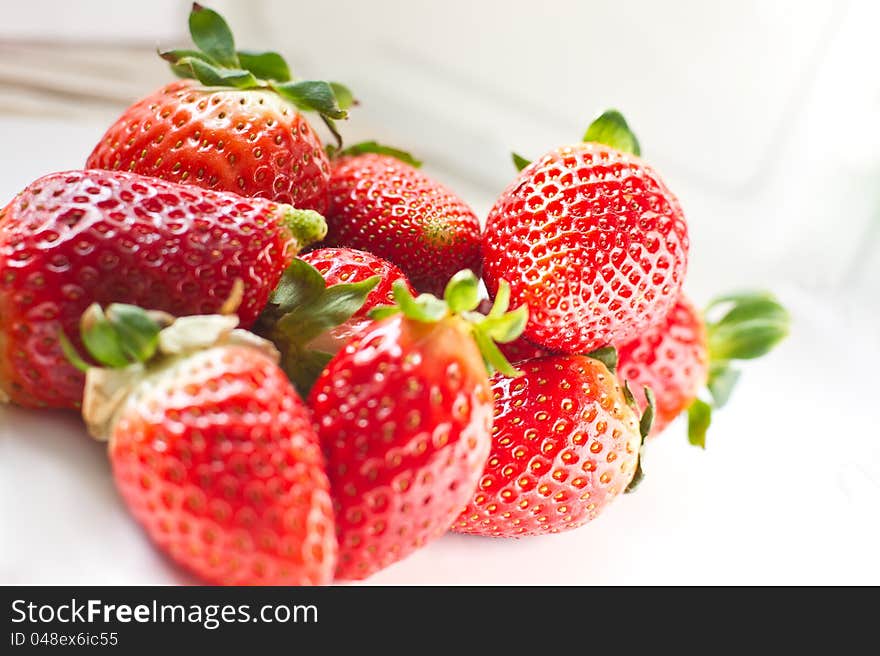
[[645, 424], [753, 326], [71, 353], [612, 130], [519, 161], [101, 339], [506, 327], [304, 367], [735, 298], [699, 418], [303, 307], [462, 292], [502, 299], [312, 95], [383, 312], [265, 65], [722, 380], [425, 307], [212, 35], [213, 76], [174, 57], [607, 355], [629, 396], [301, 284], [638, 476], [138, 332], [344, 97], [375, 147], [647, 419], [493, 357]]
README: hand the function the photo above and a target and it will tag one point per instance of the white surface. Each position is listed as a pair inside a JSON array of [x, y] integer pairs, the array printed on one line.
[[789, 489]]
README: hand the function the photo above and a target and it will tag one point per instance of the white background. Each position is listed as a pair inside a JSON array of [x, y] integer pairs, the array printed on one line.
[[762, 117]]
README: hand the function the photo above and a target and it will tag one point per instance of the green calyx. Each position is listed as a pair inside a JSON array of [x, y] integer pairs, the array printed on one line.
[[301, 309], [216, 62], [519, 161], [607, 355], [377, 148], [645, 423], [118, 337], [750, 326], [461, 298], [609, 129]]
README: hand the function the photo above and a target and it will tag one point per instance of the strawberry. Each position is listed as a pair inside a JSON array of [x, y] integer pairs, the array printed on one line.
[[404, 415], [383, 204], [591, 240], [684, 354], [211, 448], [71, 239], [234, 127], [565, 442]]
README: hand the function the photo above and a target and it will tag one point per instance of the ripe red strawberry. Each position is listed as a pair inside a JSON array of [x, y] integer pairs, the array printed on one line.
[[381, 204], [591, 239], [404, 415], [682, 355], [235, 127], [211, 448], [71, 239], [565, 442], [672, 359]]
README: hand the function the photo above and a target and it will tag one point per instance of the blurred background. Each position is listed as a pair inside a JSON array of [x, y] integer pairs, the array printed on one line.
[[761, 115]]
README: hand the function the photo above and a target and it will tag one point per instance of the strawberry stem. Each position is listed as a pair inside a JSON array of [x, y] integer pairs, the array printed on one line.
[[306, 226]]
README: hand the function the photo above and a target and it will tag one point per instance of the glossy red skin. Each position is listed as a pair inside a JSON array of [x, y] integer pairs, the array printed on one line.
[[347, 265], [564, 445], [219, 463], [75, 238], [404, 415], [250, 142], [593, 241], [672, 359], [382, 205]]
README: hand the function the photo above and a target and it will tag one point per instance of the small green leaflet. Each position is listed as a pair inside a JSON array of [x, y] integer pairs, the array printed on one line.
[[519, 161], [612, 130], [211, 33], [699, 418]]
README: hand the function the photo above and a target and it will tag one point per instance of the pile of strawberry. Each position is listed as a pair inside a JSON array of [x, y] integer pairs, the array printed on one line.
[[277, 416]]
